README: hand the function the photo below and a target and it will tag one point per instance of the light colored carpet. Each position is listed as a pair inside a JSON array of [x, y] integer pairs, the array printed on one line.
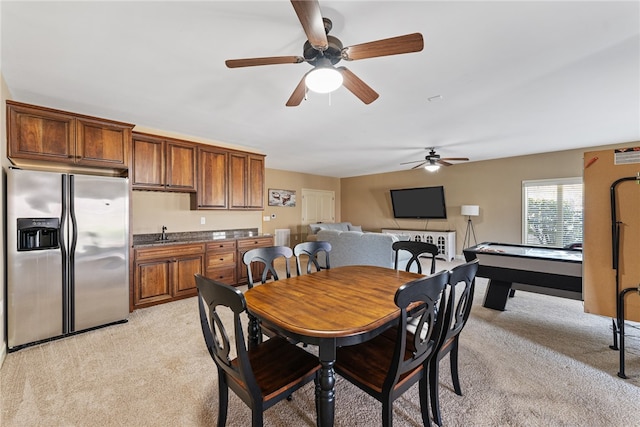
[[543, 362]]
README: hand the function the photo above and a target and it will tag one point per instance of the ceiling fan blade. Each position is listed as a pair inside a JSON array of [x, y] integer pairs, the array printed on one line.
[[270, 60], [298, 93], [310, 17], [392, 46], [460, 159], [415, 161], [418, 166], [443, 163], [357, 86]]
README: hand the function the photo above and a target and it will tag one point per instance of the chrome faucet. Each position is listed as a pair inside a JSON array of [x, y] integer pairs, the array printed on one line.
[[164, 234]]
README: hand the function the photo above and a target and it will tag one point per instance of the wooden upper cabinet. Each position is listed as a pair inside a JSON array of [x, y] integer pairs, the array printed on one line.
[[213, 167], [246, 186], [39, 133], [148, 162], [181, 166], [99, 143], [255, 182], [163, 164], [34, 134]]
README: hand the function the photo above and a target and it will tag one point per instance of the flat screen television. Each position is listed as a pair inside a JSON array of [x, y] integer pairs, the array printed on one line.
[[418, 203]]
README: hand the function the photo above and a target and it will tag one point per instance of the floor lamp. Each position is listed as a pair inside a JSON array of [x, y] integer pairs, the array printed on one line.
[[469, 211]]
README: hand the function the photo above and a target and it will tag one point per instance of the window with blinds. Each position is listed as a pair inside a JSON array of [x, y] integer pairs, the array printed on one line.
[[552, 211]]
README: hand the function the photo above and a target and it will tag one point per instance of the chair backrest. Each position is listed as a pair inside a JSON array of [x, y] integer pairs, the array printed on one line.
[[416, 249], [211, 295], [267, 256], [460, 297], [429, 293], [311, 250]]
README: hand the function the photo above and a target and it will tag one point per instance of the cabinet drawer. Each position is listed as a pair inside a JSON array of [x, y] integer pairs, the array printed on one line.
[[255, 243], [220, 259], [168, 251], [224, 275], [222, 246]]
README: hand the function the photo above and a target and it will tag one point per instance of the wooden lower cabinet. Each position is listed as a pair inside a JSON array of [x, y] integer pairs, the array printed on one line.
[[220, 261], [166, 273], [256, 269]]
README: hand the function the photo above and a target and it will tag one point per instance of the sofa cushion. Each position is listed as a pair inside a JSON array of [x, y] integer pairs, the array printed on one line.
[[358, 248], [340, 226]]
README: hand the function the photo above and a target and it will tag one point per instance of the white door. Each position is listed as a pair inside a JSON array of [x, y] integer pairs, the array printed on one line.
[[318, 206]]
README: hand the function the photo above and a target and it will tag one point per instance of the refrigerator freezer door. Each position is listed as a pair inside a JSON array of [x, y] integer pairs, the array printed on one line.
[[100, 292], [34, 277]]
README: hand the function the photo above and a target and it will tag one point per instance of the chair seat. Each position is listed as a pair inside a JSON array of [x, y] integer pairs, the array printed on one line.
[[278, 364], [368, 363]]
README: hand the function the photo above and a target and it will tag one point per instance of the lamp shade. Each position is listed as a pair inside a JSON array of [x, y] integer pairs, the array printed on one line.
[[323, 79], [470, 210]]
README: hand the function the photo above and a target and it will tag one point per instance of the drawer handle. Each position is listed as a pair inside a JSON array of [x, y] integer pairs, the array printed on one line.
[[221, 259]]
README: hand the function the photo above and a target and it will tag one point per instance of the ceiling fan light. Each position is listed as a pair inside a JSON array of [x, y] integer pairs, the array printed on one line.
[[323, 79], [432, 168]]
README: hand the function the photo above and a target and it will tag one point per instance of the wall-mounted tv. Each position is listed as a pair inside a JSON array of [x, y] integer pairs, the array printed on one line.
[[423, 202]]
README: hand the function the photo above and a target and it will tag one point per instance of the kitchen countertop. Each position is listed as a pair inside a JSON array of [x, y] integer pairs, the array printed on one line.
[[153, 239]]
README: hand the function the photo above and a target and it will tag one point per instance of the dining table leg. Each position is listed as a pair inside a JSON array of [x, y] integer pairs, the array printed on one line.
[[325, 388], [253, 332]]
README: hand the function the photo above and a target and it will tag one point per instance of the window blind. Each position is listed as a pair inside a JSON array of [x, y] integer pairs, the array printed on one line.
[[552, 212]]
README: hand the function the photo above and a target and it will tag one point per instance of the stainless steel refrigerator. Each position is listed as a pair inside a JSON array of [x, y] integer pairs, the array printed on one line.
[[67, 254]]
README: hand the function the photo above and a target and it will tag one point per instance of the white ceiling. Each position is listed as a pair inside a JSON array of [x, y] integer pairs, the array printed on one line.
[[515, 77]]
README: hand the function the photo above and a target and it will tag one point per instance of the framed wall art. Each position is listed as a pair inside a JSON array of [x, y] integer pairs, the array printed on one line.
[[282, 197]]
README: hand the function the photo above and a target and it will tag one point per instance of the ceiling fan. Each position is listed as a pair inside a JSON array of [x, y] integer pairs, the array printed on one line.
[[432, 161], [323, 51]]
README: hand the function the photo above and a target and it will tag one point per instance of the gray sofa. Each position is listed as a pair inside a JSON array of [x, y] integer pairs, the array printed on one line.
[[358, 248], [339, 226]]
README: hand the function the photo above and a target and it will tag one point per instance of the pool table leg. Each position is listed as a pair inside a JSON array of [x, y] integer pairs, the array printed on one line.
[[497, 294]]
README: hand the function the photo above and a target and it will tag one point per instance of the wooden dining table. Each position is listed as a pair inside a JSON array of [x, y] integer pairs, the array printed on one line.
[[330, 308]]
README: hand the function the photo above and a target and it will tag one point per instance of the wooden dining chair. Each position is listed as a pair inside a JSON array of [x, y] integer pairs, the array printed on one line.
[[266, 257], [417, 249], [384, 367], [311, 250], [261, 376], [462, 285]]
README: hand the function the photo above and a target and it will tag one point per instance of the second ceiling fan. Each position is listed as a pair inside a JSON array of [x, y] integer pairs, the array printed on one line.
[[323, 52], [434, 161]]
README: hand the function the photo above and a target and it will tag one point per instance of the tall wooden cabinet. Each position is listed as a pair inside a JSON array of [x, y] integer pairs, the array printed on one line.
[[246, 181], [44, 134], [163, 164], [213, 166]]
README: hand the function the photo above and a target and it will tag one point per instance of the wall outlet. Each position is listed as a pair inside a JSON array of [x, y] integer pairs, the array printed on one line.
[[266, 218], [203, 220]]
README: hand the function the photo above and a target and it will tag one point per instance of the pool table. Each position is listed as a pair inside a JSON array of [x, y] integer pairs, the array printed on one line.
[[545, 270]]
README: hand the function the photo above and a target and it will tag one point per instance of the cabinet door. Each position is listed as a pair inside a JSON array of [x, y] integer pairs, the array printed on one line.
[[40, 134], [246, 186], [101, 143], [237, 181], [212, 183], [181, 167], [152, 282], [148, 163], [255, 182], [183, 271]]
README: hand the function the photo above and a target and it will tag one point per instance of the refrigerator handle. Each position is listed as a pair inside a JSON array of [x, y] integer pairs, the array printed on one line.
[[72, 253], [64, 249]]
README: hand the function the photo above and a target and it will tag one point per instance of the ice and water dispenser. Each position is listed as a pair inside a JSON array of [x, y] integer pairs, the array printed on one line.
[[38, 233]]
